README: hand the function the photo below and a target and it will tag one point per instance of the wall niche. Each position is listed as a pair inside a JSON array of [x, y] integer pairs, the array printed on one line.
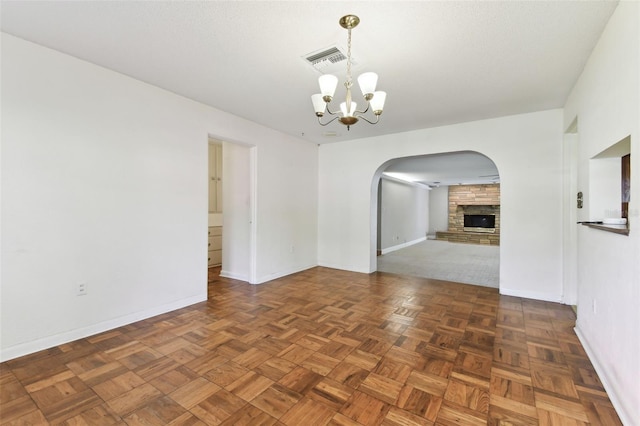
[[609, 188]]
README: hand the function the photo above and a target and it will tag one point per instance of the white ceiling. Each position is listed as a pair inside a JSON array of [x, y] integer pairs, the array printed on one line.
[[445, 169], [439, 62]]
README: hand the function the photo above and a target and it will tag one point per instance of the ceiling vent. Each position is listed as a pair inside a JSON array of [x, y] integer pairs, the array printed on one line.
[[329, 60]]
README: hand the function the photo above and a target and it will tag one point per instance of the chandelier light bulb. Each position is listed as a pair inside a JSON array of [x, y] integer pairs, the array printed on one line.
[[328, 84], [343, 109], [367, 83], [377, 102], [319, 105]]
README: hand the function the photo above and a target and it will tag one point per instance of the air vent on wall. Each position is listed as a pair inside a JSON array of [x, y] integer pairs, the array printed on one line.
[[328, 60]]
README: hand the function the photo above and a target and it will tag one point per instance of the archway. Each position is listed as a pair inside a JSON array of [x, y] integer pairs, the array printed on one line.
[[454, 196]]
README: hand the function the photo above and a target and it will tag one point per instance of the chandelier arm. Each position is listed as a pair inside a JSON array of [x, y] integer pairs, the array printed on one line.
[[369, 121], [362, 112], [331, 112], [328, 122]]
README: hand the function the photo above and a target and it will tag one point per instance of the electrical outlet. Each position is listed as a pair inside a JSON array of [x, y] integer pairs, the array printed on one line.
[[81, 290]]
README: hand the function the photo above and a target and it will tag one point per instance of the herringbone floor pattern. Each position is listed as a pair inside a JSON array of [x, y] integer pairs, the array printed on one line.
[[321, 347]]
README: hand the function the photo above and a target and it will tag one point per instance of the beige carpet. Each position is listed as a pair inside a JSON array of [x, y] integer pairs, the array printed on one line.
[[442, 260]]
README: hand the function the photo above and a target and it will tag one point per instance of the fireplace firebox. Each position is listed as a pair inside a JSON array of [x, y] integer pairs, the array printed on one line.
[[479, 221]]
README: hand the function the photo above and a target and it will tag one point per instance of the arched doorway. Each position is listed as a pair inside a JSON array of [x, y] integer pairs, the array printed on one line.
[[438, 216]]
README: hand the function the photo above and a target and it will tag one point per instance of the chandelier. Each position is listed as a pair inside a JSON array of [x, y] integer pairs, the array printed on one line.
[[349, 114]]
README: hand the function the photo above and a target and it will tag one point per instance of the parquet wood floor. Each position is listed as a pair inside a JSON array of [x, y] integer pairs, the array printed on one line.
[[321, 347]]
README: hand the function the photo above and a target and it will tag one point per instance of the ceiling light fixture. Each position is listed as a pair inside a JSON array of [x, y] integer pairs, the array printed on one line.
[[348, 114]]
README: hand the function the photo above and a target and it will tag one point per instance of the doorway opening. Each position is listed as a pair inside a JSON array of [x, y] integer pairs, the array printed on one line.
[[232, 196], [215, 219], [438, 217]]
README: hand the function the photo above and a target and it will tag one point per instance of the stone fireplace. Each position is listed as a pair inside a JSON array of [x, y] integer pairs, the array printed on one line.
[[476, 202]]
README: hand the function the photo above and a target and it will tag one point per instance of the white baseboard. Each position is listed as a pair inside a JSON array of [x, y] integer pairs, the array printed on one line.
[[80, 333], [234, 276], [531, 295], [342, 267], [612, 391], [264, 279], [270, 277], [403, 245]]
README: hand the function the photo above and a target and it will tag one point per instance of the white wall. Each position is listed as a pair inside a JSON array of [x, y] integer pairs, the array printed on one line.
[[438, 209], [287, 206], [104, 181], [237, 199], [606, 102], [404, 214], [527, 150]]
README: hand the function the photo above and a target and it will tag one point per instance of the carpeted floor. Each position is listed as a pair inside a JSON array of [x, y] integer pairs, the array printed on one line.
[[442, 260]]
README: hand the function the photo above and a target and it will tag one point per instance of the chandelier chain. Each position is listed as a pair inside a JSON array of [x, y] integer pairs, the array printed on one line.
[[349, 56], [348, 83]]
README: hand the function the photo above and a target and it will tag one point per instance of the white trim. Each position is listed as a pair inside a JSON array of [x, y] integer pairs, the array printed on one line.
[[570, 216], [274, 276], [403, 245], [612, 393], [240, 277], [80, 333], [531, 295], [253, 224], [342, 267]]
